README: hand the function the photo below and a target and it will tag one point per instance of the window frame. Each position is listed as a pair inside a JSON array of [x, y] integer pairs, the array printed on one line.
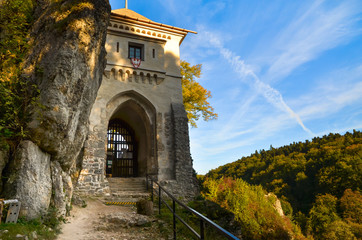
[[136, 46]]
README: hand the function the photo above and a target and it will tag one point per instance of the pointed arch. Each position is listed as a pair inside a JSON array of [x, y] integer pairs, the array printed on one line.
[[140, 115]]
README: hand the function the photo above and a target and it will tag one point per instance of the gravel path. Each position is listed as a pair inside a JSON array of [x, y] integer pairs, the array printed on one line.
[[98, 221]]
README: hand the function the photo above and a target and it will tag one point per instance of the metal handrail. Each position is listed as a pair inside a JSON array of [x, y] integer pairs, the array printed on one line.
[[202, 218]]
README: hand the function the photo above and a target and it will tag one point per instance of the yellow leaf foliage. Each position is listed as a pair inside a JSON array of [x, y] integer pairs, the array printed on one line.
[[194, 95]]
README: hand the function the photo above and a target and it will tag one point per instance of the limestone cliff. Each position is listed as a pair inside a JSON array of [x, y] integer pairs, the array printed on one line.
[[66, 61]]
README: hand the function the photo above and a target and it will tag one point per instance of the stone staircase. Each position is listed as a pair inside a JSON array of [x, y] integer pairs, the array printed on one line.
[[127, 189]]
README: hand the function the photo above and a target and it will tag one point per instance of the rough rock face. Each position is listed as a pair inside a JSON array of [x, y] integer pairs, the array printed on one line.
[[4, 158], [30, 179], [276, 204], [62, 187], [66, 62]]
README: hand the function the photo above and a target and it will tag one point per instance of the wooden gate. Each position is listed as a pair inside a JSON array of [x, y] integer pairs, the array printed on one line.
[[121, 150]]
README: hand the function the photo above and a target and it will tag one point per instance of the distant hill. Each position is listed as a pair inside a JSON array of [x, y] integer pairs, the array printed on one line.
[[323, 172]]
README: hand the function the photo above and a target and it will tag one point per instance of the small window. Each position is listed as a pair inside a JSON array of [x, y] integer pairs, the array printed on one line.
[[135, 51], [117, 46], [153, 53]]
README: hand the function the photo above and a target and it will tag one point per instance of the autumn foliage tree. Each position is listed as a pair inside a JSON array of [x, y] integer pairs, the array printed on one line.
[[15, 94], [194, 95], [321, 179], [252, 207]]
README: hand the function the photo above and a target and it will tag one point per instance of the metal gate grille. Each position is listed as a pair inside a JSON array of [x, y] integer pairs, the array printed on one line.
[[121, 150]]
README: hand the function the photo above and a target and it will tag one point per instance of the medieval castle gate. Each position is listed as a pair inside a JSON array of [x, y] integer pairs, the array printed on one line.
[[138, 125]]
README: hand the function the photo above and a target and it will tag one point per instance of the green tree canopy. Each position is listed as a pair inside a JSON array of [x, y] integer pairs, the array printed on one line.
[[15, 19], [321, 179], [194, 95]]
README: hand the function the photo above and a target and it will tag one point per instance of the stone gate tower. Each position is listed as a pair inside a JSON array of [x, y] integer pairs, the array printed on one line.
[[138, 125]]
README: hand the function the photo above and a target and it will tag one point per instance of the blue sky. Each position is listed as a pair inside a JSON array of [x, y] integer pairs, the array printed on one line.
[[278, 71]]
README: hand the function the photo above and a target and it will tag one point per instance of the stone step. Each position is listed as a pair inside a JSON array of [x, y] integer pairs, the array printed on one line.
[[127, 187], [129, 190], [118, 179], [127, 184], [132, 189], [127, 197]]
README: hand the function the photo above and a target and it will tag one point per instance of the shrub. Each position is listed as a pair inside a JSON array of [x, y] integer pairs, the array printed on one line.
[[253, 211]]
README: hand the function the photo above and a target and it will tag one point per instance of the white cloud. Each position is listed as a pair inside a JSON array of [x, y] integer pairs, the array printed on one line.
[[248, 75], [252, 121], [339, 89], [314, 32]]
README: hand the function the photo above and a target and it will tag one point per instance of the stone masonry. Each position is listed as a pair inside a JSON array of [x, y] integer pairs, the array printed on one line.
[[148, 99]]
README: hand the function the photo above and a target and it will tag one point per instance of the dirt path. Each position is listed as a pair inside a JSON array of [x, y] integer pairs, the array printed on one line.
[[98, 221]]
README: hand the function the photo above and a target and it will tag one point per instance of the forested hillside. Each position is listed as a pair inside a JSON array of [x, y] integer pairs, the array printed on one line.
[[321, 179]]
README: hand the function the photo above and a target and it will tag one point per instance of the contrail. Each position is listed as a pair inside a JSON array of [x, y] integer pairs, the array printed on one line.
[[272, 95]]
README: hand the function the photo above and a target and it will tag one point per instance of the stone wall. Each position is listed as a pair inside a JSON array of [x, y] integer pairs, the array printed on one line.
[[149, 100], [92, 180], [182, 182], [185, 184]]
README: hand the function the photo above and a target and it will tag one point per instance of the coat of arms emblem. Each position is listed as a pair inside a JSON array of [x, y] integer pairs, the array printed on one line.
[[136, 62]]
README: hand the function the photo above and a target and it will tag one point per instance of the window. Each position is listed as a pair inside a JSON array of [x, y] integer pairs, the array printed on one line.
[[135, 51], [117, 46], [153, 53]]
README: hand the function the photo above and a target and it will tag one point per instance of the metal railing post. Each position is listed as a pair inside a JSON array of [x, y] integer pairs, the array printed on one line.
[[203, 220], [159, 199], [174, 218], [202, 229]]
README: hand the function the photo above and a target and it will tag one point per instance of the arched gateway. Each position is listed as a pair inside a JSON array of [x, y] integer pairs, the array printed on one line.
[[138, 125], [122, 150]]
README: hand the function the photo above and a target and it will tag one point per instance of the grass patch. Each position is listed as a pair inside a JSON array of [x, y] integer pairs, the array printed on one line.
[[8, 231], [46, 227]]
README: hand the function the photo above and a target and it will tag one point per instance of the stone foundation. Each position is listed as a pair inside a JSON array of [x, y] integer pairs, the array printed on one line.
[[92, 180]]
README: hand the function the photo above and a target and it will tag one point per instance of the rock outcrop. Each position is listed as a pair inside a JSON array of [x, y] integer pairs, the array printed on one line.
[[30, 179], [276, 203], [66, 62]]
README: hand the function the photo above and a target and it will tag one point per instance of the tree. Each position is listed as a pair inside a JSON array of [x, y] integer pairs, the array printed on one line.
[[351, 207], [322, 214], [15, 91], [338, 230], [194, 95]]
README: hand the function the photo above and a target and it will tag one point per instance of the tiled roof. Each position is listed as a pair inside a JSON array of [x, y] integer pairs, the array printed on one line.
[[129, 13]]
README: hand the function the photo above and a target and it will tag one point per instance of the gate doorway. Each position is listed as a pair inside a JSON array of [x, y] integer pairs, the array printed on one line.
[[121, 150]]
